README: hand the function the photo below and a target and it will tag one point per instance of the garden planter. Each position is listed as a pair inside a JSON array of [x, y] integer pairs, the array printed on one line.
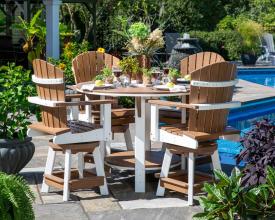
[[144, 62], [248, 59], [15, 154]]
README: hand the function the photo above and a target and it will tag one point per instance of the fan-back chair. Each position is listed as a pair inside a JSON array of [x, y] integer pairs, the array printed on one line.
[[209, 103], [188, 65], [69, 136], [86, 67]]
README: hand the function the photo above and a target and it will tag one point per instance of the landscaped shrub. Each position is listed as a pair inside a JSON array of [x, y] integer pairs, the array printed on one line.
[[258, 152], [70, 51], [15, 87], [16, 198], [227, 199], [224, 42]]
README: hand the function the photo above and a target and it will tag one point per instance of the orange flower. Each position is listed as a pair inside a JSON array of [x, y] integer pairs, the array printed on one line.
[[62, 66], [101, 50]]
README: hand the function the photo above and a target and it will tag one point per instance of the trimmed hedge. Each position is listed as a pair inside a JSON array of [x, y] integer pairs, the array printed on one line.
[[224, 42]]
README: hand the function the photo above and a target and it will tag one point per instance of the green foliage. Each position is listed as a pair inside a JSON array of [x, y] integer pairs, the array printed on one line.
[[226, 199], [129, 65], [106, 72], [16, 198], [146, 72], [139, 30], [126, 102], [2, 21], [15, 87], [224, 42], [250, 32], [174, 73], [70, 51], [35, 36]]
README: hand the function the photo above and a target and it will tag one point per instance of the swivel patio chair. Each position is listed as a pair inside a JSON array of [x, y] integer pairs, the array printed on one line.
[[69, 136], [188, 65], [210, 100], [86, 67]]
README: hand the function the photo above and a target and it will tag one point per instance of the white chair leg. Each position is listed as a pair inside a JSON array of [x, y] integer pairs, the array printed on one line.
[[67, 175], [191, 170], [48, 169], [164, 171], [80, 164], [99, 165], [128, 140], [216, 160]]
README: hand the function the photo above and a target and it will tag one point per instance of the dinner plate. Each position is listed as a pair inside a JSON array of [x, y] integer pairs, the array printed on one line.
[[174, 89], [92, 86]]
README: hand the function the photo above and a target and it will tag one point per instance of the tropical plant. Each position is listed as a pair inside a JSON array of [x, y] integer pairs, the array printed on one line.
[[250, 32], [15, 87], [227, 199], [16, 198], [258, 152], [129, 65], [223, 198], [70, 51], [35, 36]]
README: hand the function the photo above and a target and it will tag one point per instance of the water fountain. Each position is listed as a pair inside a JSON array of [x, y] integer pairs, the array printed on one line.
[[185, 46]]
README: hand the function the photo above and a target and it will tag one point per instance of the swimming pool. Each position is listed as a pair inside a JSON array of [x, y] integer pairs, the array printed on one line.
[[242, 118], [263, 76]]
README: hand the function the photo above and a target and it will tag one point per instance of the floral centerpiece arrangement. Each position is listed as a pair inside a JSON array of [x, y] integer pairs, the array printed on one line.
[[142, 41], [129, 66]]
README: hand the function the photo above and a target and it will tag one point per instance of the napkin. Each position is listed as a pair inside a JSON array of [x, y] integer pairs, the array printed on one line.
[[178, 88], [88, 87]]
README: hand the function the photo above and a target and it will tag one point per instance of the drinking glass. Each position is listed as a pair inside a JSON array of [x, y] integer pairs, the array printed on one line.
[[117, 73]]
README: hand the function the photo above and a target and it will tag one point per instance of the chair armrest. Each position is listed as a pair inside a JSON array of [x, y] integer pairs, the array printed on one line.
[[172, 104], [78, 103]]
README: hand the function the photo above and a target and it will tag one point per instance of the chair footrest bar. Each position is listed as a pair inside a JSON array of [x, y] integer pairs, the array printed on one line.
[[90, 180], [178, 181]]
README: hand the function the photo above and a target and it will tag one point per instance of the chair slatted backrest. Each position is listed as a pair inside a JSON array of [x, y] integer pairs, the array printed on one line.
[[211, 121], [55, 117], [89, 64], [198, 60]]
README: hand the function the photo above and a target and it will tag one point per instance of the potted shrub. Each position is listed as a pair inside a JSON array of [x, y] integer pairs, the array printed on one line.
[[16, 198], [250, 32], [227, 199], [16, 149], [129, 66]]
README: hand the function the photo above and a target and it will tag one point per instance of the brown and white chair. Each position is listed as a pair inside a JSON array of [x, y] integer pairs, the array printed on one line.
[[86, 67], [211, 91], [188, 65], [69, 136]]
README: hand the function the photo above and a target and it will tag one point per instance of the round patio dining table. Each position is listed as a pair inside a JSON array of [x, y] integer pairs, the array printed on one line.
[[142, 128]]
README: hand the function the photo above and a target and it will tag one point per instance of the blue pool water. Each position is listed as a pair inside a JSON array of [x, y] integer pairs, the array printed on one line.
[[264, 77], [242, 118]]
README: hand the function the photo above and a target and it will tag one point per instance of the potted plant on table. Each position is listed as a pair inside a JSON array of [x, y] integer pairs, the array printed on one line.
[[147, 76], [143, 43], [129, 66], [250, 32], [107, 74], [16, 198], [174, 74], [16, 149]]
